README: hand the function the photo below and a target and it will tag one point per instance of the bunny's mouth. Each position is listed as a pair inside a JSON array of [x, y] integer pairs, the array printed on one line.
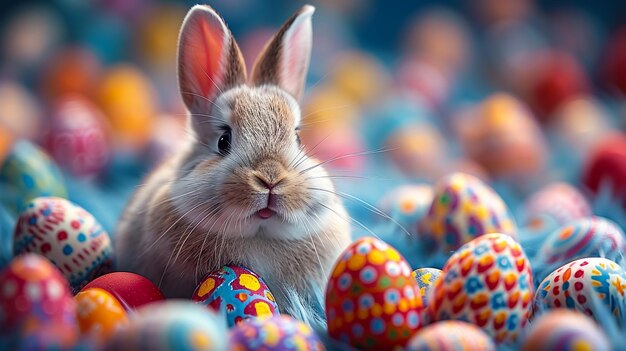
[[265, 213]]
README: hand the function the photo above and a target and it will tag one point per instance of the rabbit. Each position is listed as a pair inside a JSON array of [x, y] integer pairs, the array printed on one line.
[[241, 190]]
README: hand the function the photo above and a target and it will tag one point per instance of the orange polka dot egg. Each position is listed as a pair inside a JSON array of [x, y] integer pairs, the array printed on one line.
[[238, 293], [99, 313], [372, 302]]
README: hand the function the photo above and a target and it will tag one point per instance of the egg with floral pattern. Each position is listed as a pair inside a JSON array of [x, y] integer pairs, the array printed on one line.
[[464, 208], [179, 325], [67, 235], [451, 336], [238, 293], [278, 333], [426, 278], [99, 313], [36, 306], [487, 282], [595, 286], [372, 302], [567, 330]]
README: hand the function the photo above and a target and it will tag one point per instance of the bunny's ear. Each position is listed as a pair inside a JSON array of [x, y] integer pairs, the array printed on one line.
[[285, 59], [209, 60]]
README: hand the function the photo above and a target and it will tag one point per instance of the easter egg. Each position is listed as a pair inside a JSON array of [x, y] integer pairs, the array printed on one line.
[[67, 235], [487, 282], [553, 206], [417, 150], [464, 208], [372, 302], [563, 329], [128, 100], [359, 76], [586, 237], [606, 167], [36, 301], [29, 173], [591, 285], [238, 293], [73, 70], [77, 138], [451, 336], [277, 333], [613, 70], [130, 289], [99, 313], [558, 77], [426, 278], [172, 325], [407, 204], [20, 112], [503, 136]]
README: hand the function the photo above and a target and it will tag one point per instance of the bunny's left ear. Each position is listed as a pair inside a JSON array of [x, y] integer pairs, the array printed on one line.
[[285, 59]]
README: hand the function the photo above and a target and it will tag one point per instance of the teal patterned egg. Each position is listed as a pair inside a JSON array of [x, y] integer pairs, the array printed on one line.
[[29, 173], [426, 278]]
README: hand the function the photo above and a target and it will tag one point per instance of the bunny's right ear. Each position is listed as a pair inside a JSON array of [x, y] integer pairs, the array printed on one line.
[[209, 60]]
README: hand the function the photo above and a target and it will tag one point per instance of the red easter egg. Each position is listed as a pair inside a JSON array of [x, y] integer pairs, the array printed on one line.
[[559, 78], [34, 296], [78, 139], [614, 69], [607, 164], [132, 290], [372, 302], [72, 71]]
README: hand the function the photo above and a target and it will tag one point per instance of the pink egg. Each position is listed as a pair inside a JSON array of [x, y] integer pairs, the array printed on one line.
[[451, 336], [35, 300], [78, 137], [555, 205]]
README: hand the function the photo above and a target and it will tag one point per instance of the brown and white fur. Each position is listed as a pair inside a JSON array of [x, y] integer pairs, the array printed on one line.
[[200, 209]]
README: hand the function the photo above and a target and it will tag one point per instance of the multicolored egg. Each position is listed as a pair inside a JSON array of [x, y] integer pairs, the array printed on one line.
[[78, 139], [487, 282], [606, 167], [464, 208], [567, 330], [130, 289], [590, 285], [426, 278], [29, 173], [173, 325], [407, 204], [68, 236], [278, 333], [418, 150], [35, 301], [451, 336], [238, 293], [553, 206], [372, 302], [99, 313], [587, 237]]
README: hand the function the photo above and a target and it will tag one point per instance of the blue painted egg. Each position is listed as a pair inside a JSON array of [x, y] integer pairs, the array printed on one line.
[[279, 333], [172, 325], [407, 204], [68, 236], [29, 173], [238, 293], [426, 278]]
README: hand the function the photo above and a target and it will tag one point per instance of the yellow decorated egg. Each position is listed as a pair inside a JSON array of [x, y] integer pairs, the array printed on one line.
[[128, 100], [99, 313], [464, 208], [372, 302], [426, 278], [487, 282]]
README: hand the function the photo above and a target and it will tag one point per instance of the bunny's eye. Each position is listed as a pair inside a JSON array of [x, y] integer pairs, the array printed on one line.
[[223, 143]]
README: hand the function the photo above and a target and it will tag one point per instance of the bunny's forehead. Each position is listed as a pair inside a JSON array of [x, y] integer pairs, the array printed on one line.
[[262, 108]]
